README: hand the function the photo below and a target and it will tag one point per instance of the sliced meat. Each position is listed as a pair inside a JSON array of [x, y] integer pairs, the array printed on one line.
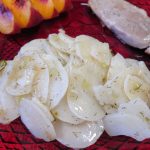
[[130, 23], [148, 50]]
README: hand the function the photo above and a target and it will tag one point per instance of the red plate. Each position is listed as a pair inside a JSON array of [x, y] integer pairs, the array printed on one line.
[[80, 20]]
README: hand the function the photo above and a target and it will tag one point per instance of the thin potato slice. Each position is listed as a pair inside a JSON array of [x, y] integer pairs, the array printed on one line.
[[81, 100], [104, 95], [112, 93], [132, 63], [101, 52], [136, 107], [109, 109], [144, 71], [66, 39], [63, 113], [22, 76], [89, 48], [40, 87], [61, 42], [58, 80], [117, 65], [134, 87], [92, 72], [37, 46], [126, 124], [74, 62], [37, 119], [8, 104], [78, 136]]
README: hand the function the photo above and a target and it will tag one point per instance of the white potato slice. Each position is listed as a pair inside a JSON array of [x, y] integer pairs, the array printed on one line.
[[37, 119], [61, 42], [8, 108], [104, 95], [78, 136], [8, 104], [39, 46], [112, 93], [109, 109], [58, 80], [134, 87], [40, 87], [88, 47], [83, 46], [63, 57], [136, 107], [126, 124], [132, 62], [43, 108], [101, 52], [144, 71], [117, 65], [3, 64], [22, 76], [93, 72], [63, 113], [73, 63], [66, 38], [81, 100]]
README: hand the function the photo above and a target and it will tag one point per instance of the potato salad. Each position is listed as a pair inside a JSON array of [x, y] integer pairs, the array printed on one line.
[[72, 89]]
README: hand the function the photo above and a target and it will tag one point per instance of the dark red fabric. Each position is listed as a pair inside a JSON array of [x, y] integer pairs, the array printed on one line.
[[80, 20]]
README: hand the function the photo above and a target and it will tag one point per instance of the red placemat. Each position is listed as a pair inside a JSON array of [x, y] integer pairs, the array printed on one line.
[[80, 20]]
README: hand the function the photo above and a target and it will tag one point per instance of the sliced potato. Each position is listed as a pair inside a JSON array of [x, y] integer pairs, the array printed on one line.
[[74, 62], [144, 71], [78, 136], [104, 95], [92, 72], [40, 87], [66, 39], [63, 113], [61, 42], [22, 76], [8, 104], [81, 100], [58, 80], [132, 62], [117, 65], [39, 46], [3, 64], [101, 52], [43, 108], [37, 119], [126, 124], [109, 109], [89, 48], [136, 107], [134, 87], [112, 92]]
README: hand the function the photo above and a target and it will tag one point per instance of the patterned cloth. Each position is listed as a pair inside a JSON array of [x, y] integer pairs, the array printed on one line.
[[80, 20]]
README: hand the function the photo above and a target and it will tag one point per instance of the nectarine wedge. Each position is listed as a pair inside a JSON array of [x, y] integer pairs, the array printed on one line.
[[61, 5], [44, 7], [7, 22], [23, 12]]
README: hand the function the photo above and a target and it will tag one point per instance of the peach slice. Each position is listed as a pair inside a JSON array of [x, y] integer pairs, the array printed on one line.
[[44, 7], [61, 5], [23, 12], [7, 22]]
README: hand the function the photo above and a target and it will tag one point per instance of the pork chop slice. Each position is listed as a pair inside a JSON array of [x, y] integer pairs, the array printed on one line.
[[130, 23], [147, 51]]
